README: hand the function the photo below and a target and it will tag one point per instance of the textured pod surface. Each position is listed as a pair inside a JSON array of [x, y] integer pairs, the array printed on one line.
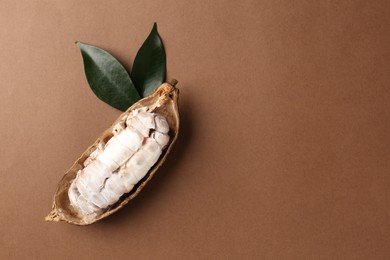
[[162, 102]]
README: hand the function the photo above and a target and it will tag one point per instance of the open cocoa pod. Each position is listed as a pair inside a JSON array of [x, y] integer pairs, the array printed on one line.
[[163, 102]]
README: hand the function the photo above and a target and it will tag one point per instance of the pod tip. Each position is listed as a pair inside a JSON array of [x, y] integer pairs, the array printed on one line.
[[52, 216]]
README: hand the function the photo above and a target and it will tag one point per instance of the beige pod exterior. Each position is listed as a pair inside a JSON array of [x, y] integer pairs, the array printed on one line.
[[164, 102]]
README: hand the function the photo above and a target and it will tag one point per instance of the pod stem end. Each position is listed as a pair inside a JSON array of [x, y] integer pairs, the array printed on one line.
[[173, 82]]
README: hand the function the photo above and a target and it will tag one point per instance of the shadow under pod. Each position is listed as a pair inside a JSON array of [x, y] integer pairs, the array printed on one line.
[[160, 181]]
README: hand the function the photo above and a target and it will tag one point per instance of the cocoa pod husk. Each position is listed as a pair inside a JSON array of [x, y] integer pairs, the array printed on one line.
[[163, 101]]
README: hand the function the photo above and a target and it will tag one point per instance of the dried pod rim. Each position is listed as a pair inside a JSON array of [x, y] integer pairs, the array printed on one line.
[[164, 101]]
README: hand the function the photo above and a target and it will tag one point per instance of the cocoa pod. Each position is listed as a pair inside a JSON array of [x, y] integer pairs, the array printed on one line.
[[163, 102]]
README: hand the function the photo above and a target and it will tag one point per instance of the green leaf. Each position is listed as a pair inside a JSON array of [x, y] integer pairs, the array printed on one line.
[[149, 67], [107, 78]]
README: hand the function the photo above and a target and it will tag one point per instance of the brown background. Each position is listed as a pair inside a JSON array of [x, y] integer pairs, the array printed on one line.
[[284, 151]]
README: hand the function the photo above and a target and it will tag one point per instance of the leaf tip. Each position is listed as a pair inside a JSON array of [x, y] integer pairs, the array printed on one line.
[[79, 44]]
